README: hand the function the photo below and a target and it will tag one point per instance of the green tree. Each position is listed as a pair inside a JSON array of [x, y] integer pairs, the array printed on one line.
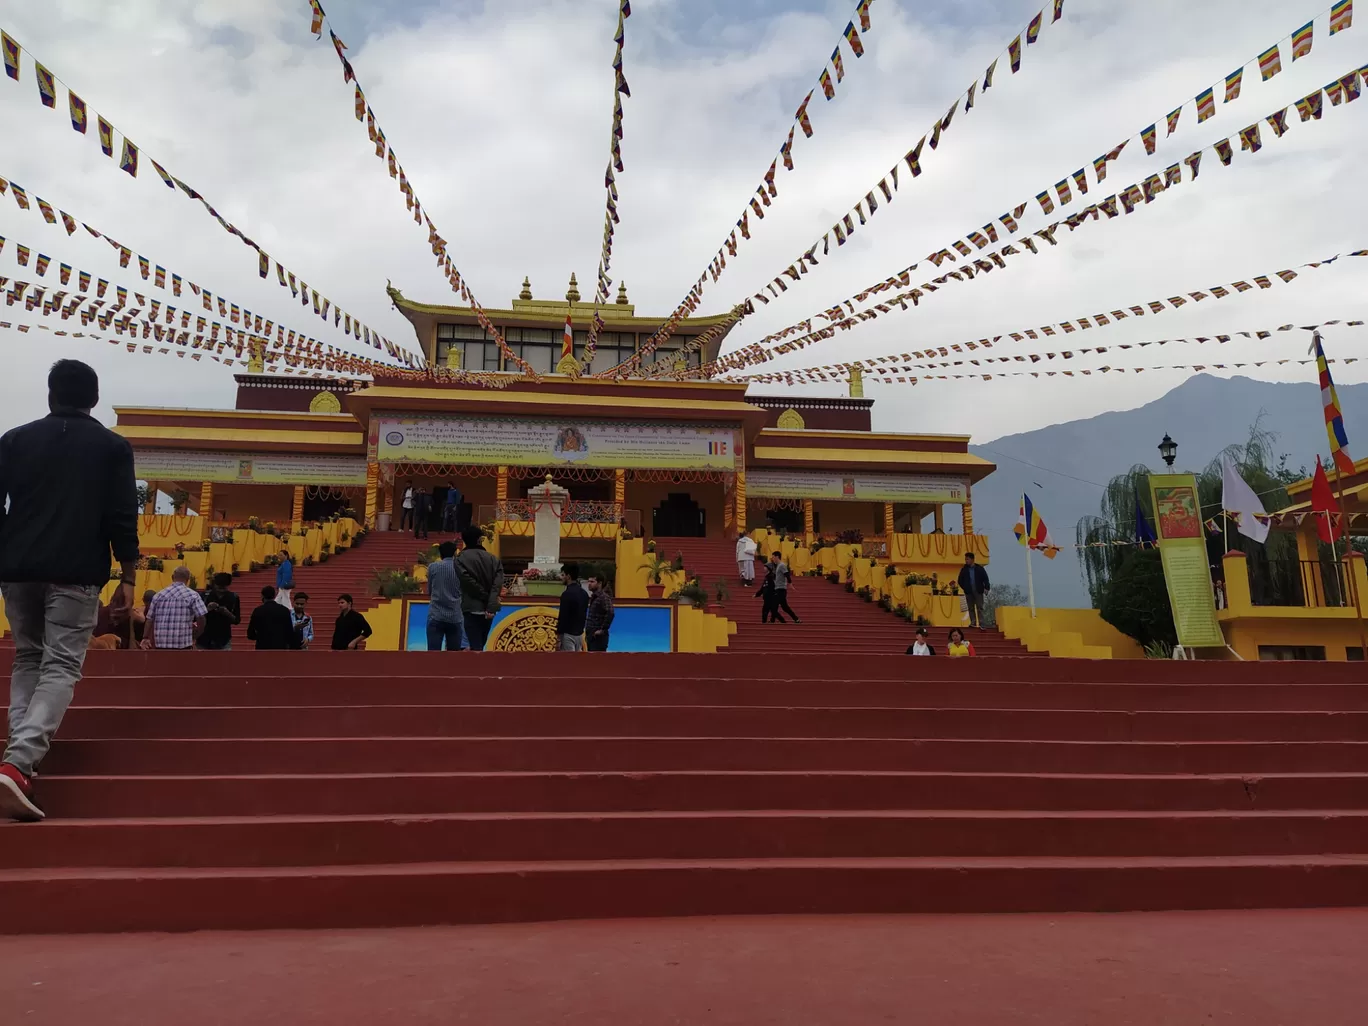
[[1002, 595], [1125, 583]]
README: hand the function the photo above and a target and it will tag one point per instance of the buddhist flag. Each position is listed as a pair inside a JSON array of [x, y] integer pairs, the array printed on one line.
[[47, 85], [1270, 62], [568, 341], [1232, 83], [801, 116], [1147, 136], [1031, 530], [853, 38], [1323, 507], [1341, 16], [838, 64], [1046, 203], [1334, 420], [1302, 40], [1206, 105], [11, 50], [863, 12], [827, 87]]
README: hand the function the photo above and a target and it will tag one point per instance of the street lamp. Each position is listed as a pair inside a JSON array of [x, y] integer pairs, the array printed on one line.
[[1168, 449]]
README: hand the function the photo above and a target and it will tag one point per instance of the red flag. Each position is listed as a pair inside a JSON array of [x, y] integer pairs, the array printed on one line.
[[1323, 507]]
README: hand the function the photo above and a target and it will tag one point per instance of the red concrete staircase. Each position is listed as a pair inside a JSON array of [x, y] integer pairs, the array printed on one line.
[[833, 620], [245, 790]]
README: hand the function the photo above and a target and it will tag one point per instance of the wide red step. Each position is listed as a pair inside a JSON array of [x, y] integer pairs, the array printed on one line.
[[310, 688], [716, 721], [267, 794], [312, 897], [505, 837], [211, 756]]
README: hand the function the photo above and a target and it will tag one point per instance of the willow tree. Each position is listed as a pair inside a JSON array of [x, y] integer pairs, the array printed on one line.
[[1126, 581]]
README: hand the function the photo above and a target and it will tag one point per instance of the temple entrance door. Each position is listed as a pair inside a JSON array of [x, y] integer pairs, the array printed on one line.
[[787, 520], [679, 517]]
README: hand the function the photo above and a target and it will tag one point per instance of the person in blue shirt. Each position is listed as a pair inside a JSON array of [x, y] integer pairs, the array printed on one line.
[[452, 508], [284, 580], [446, 622]]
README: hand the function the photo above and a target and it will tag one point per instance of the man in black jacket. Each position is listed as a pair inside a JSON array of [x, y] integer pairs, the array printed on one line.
[[482, 580], [973, 581], [351, 628], [223, 611], [574, 604], [54, 560], [271, 625]]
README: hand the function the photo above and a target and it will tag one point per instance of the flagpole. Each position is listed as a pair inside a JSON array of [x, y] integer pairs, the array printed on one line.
[[1030, 584], [1348, 564]]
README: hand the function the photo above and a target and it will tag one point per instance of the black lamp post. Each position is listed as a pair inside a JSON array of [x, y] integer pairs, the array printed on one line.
[[1168, 449]]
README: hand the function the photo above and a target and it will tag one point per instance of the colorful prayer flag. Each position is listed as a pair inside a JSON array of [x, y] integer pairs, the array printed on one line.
[[1206, 105], [1033, 29], [827, 87], [837, 63], [1278, 122], [1225, 152], [1147, 136], [47, 85], [1065, 193], [1249, 138], [1173, 120], [1232, 84], [863, 12], [1014, 53], [1303, 39], [853, 38], [1310, 106], [1046, 203], [804, 122], [1270, 62], [913, 158], [79, 119], [11, 52], [1080, 177], [129, 161], [1334, 419], [1058, 11], [1195, 163], [1323, 508], [988, 76], [106, 136], [1341, 16]]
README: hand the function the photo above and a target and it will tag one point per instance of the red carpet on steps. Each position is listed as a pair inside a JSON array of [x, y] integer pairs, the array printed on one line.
[[246, 790]]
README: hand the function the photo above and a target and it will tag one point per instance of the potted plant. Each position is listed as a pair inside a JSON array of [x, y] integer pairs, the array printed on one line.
[[537, 583], [720, 593], [834, 577], [395, 584], [179, 498], [154, 563], [656, 568], [890, 570], [692, 594]]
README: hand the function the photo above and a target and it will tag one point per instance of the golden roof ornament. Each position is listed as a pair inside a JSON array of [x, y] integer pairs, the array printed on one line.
[[572, 294], [856, 383], [526, 292], [622, 293]]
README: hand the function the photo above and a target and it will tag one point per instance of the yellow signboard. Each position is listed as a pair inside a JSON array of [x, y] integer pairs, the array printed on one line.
[[802, 484], [1182, 548], [548, 443], [248, 468]]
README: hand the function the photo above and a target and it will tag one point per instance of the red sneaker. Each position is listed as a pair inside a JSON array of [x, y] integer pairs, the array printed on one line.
[[16, 796]]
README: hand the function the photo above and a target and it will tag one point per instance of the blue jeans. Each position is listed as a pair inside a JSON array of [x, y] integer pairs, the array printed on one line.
[[452, 633]]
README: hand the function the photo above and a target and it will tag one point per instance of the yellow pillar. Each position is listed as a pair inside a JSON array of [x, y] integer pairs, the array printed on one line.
[[969, 511], [206, 499], [501, 486], [740, 502], [1237, 592], [940, 518], [297, 511], [620, 487], [888, 521], [372, 493], [809, 531]]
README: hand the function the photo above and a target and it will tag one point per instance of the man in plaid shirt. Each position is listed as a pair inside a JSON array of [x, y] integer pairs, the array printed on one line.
[[176, 616]]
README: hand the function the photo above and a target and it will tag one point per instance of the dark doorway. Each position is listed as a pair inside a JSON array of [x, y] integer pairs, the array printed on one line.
[[679, 517], [787, 520], [320, 507]]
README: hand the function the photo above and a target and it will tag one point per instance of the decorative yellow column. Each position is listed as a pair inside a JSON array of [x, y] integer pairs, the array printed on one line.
[[372, 493], [206, 499], [888, 522], [940, 518], [809, 531], [501, 486], [297, 511], [620, 487], [387, 495], [969, 511], [740, 502]]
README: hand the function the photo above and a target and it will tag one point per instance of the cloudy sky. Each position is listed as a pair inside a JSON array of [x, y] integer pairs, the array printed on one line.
[[500, 113]]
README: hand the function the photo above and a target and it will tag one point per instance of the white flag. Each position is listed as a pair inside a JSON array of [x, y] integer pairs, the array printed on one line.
[[1238, 497]]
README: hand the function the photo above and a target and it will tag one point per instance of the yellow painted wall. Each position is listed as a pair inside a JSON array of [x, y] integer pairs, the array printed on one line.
[[1067, 633], [386, 621], [835, 517], [1247, 626], [700, 631], [159, 533]]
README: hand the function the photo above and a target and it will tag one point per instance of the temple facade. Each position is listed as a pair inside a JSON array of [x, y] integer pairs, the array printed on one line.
[[656, 458]]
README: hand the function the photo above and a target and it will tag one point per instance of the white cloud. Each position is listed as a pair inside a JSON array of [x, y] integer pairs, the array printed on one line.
[[500, 113]]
